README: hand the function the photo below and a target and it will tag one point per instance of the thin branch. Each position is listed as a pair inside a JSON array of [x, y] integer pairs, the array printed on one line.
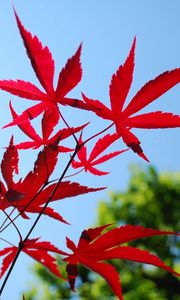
[[97, 134], [26, 206], [67, 176], [15, 226], [71, 175], [72, 133], [4, 222], [4, 240]]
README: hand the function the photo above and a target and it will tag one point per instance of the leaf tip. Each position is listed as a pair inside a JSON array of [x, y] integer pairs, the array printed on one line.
[[144, 157]]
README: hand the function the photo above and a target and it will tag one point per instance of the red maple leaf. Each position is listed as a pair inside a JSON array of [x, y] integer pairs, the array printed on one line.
[[101, 145], [25, 196], [43, 66], [123, 117], [24, 190], [36, 249], [95, 247], [47, 127], [65, 189]]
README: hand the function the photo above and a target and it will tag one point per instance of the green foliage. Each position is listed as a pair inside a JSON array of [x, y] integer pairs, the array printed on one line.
[[151, 200]]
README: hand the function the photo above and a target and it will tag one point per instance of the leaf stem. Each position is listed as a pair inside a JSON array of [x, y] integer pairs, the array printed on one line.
[[100, 132], [72, 133], [4, 240], [4, 222], [26, 206], [15, 226]]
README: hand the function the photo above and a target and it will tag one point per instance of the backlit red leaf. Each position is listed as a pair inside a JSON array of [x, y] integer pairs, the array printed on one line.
[[9, 253], [69, 76], [156, 119], [29, 114], [65, 189], [43, 168], [66, 132], [89, 235], [38, 250], [72, 273], [40, 57], [70, 244], [71, 189], [121, 82], [119, 88], [76, 103], [152, 90], [106, 157], [9, 164], [107, 271], [22, 89], [94, 247], [131, 141], [45, 259], [48, 211], [124, 234], [82, 153], [102, 144], [96, 171], [26, 127], [28, 145], [137, 255], [44, 245], [98, 108], [49, 121]]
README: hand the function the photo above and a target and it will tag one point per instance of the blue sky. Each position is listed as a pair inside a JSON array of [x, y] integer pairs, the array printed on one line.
[[107, 29]]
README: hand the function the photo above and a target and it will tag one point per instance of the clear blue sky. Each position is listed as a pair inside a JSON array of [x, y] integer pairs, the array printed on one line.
[[106, 29]]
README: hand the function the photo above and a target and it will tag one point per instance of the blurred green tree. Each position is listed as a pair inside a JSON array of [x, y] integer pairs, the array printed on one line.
[[150, 200]]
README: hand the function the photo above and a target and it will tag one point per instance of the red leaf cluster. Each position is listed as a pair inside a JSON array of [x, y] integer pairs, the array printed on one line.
[[34, 192], [88, 163], [95, 247], [28, 198], [37, 250], [124, 119]]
